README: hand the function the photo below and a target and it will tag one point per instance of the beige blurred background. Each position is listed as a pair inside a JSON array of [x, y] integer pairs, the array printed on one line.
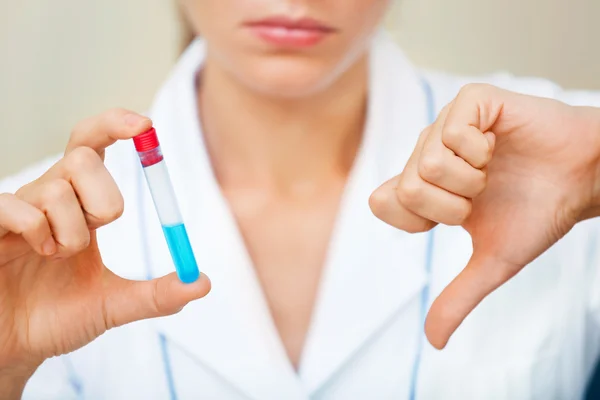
[[62, 60]]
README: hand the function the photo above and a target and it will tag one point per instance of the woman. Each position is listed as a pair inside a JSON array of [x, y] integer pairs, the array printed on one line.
[[277, 125]]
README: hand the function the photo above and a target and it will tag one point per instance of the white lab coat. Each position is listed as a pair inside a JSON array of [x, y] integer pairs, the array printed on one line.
[[535, 338]]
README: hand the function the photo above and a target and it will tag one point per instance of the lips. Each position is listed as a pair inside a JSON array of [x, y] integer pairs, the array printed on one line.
[[287, 32]]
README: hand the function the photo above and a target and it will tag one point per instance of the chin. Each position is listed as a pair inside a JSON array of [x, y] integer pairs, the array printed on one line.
[[289, 78]]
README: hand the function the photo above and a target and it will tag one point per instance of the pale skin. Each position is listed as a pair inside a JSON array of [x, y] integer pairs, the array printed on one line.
[[283, 161], [282, 164], [304, 107], [56, 295], [517, 172], [269, 194]]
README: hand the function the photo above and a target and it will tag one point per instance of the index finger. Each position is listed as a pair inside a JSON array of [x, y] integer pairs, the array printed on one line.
[[103, 130]]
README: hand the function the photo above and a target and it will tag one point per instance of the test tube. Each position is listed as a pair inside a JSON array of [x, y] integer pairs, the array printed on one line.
[[165, 202]]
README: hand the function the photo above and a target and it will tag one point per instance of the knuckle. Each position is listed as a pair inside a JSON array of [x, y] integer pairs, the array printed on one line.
[[461, 213], [24, 222], [83, 126], [80, 126], [378, 202], [23, 190], [83, 158], [118, 207], [423, 225], [86, 124], [156, 305], [446, 108], [32, 223], [431, 167], [412, 229], [468, 88], [486, 157], [480, 184], [410, 192], [452, 136], [474, 89], [78, 242], [480, 159], [424, 134], [114, 209], [56, 191], [5, 198], [478, 163], [114, 113], [113, 118]]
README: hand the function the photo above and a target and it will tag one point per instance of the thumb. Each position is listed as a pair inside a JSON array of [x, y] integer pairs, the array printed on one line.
[[482, 275], [130, 301]]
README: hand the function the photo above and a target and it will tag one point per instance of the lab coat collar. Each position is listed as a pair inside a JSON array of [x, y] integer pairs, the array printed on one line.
[[372, 270]]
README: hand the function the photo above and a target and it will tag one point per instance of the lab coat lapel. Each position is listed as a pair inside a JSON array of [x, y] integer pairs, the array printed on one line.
[[373, 270], [230, 331]]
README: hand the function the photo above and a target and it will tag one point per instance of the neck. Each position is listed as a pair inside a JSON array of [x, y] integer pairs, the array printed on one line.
[[254, 139]]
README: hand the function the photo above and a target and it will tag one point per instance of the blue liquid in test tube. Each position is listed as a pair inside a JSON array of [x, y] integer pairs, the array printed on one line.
[[157, 176], [181, 251]]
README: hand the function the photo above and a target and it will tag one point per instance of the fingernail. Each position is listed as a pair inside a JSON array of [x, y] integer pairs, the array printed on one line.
[[49, 247], [135, 119]]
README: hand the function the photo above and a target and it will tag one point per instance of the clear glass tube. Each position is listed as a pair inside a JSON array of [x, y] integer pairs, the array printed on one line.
[[165, 202]]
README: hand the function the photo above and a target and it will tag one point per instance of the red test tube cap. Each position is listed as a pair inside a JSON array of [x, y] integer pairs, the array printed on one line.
[[146, 141]]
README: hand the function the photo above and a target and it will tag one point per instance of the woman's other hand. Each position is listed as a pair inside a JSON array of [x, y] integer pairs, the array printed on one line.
[[517, 172]]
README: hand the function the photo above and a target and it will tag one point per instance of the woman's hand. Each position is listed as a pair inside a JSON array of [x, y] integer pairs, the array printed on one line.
[[517, 172], [56, 295]]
